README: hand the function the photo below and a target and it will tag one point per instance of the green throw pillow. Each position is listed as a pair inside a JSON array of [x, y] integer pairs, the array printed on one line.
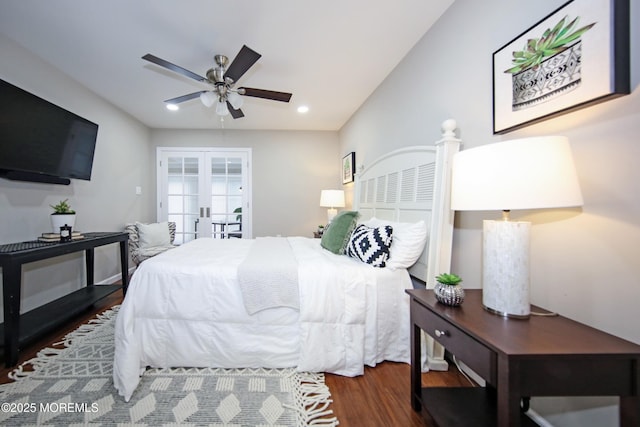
[[336, 236]]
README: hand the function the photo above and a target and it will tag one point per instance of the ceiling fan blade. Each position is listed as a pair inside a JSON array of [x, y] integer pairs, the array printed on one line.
[[236, 114], [175, 68], [267, 94], [241, 64], [184, 98]]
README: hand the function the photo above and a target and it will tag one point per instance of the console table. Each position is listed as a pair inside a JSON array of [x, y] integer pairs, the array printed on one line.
[[19, 329], [539, 356]]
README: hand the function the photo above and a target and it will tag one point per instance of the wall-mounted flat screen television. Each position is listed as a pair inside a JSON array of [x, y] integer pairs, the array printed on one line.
[[42, 142]]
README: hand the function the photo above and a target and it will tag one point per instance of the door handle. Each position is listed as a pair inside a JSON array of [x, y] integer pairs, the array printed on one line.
[[201, 212], [208, 212]]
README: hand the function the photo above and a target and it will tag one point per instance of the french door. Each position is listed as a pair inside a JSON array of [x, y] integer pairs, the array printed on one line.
[[205, 191]]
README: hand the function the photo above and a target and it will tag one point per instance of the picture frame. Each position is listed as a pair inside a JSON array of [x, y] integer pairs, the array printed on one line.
[[348, 167], [575, 57]]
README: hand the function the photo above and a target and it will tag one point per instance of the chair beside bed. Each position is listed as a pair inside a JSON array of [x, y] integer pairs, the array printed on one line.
[[149, 240]]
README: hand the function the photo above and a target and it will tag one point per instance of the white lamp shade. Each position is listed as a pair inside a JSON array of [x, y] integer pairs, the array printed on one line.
[[221, 108], [529, 173], [235, 100], [332, 198], [207, 99]]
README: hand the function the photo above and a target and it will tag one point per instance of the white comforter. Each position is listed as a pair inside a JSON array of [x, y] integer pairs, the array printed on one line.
[[184, 308]]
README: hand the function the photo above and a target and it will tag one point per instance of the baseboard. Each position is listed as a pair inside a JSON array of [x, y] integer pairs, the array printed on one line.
[[115, 278], [467, 371], [470, 374], [538, 418]]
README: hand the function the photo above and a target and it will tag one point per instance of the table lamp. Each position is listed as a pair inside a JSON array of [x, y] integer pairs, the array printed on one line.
[[529, 173], [331, 199]]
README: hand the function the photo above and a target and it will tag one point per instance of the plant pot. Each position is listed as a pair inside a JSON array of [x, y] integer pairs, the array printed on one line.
[[554, 77], [449, 294], [58, 220]]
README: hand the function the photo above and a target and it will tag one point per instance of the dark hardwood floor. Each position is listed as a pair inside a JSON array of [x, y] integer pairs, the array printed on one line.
[[379, 398]]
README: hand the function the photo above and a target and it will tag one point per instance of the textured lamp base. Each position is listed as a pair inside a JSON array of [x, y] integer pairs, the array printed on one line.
[[505, 277], [331, 213]]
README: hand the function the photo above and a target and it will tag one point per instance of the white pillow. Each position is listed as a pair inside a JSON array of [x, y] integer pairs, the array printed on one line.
[[408, 241], [150, 235]]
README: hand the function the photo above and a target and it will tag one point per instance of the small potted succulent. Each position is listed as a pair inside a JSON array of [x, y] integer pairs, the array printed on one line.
[[448, 289], [62, 215]]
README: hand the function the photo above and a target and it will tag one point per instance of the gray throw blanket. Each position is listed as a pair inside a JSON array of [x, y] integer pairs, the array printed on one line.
[[268, 276]]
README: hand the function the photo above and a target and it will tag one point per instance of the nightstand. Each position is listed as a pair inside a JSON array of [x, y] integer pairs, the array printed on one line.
[[539, 356]]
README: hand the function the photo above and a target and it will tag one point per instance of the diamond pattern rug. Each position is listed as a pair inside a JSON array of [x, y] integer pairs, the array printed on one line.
[[72, 386]]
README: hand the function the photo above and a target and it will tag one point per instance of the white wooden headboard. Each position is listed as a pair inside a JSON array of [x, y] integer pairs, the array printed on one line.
[[412, 184]]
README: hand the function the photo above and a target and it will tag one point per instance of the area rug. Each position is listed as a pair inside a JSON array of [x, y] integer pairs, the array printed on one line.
[[70, 384]]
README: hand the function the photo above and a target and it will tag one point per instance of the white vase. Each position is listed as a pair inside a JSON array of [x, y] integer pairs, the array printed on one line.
[[58, 220]]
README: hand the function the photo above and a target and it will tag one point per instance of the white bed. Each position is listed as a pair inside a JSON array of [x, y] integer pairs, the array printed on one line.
[[184, 308]]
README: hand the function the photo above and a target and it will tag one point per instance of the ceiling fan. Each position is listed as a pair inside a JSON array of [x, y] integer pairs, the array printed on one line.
[[226, 98]]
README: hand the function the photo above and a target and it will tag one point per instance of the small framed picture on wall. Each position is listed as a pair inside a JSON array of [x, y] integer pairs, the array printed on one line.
[[348, 165]]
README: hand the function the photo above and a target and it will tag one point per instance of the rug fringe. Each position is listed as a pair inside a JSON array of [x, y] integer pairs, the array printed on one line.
[[312, 398], [86, 328], [47, 355]]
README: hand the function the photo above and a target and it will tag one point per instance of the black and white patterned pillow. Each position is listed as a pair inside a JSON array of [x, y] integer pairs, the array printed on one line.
[[371, 245]]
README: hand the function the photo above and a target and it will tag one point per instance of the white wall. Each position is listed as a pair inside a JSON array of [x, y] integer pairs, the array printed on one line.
[[290, 168], [584, 262], [104, 203]]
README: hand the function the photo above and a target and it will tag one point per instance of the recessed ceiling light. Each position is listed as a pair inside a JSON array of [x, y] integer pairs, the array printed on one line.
[[172, 107], [303, 109]]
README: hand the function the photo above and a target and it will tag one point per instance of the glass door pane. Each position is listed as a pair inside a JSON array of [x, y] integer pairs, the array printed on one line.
[[226, 195], [183, 192]]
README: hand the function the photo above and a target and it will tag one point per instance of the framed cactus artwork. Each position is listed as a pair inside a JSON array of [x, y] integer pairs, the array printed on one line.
[[574, 58], [348, 165]]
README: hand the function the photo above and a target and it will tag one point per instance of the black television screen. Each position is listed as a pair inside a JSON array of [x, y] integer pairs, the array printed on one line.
[[39, 139]]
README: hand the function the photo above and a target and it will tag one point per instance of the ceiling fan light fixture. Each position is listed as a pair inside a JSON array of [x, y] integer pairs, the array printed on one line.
[[207, 99], [235, 100], [221, 108], [221, 79]]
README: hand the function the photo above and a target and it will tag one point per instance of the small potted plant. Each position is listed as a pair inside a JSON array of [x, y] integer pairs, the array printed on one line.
[[448, 289], [62, 215]]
